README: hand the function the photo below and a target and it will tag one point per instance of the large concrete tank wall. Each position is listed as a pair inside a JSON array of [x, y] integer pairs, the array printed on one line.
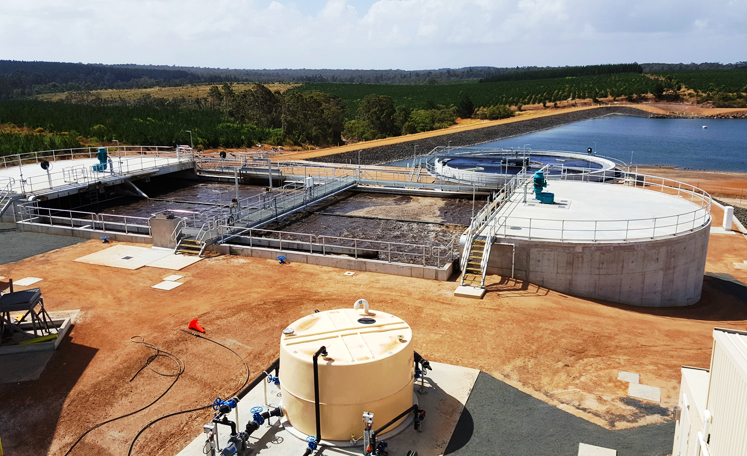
[[656, 273]]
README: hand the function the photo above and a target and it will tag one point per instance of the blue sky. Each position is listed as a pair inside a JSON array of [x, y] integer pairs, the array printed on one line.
[[368, 34]]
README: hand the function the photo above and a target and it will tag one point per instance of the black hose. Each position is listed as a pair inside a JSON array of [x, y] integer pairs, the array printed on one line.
[[414, 408], [129, 452], [322, 351], [158, 353], [272, 367]]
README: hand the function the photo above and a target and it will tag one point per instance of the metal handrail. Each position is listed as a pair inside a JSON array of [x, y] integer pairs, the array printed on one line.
[[178, 228], [83, 174], [321, 242], [77, 152], [31, 213], [683, 222]]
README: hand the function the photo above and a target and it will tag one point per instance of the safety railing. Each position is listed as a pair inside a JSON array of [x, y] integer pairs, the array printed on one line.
[[615, 230], [391, 252], [84, 174], [31, 213], [81, 152], [489, 211], [262, 208]]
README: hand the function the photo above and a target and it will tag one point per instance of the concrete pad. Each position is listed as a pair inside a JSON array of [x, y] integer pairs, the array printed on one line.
[[125, 257], [740, 265], [447, 389], [167, 285], [172, 278], [23, 367], [720, 230], [349, 273], [27, 281], [628, 377], [649, 393], [591, 450], [174, 262], [464, 291]]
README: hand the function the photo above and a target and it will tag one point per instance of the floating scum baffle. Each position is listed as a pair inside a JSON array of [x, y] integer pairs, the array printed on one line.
[[369, 367]]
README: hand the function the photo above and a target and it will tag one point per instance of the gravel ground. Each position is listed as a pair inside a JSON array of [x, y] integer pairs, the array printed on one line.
[[403, 150], [18, 245], [501, 420]]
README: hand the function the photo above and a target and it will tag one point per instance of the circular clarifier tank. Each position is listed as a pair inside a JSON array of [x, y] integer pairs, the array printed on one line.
[[369, 367]]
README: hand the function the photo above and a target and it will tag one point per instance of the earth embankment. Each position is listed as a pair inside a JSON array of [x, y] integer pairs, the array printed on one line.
[[405, 149]]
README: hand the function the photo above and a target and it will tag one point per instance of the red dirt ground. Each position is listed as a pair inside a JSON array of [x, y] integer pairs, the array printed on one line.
[[562, 349]]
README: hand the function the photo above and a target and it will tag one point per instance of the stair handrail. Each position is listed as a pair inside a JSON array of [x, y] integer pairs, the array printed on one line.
[[178, 229]]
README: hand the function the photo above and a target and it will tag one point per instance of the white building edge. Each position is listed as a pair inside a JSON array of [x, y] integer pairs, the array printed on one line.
[[712, 412]]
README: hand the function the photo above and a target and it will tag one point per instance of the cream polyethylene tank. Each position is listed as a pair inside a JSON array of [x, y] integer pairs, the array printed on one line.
[[369, 368]]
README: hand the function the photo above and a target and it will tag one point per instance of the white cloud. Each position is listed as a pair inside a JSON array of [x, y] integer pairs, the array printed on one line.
[[408, 34]]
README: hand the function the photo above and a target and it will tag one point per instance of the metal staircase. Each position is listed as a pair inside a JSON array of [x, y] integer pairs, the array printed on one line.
[[481, 233], [190, 246], [473, 273], [6, 195]]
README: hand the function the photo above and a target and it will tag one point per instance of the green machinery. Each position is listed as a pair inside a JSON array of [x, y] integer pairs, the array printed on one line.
[[540, 182]]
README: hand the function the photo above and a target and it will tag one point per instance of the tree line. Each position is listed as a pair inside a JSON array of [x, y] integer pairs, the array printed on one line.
[[566, 72]]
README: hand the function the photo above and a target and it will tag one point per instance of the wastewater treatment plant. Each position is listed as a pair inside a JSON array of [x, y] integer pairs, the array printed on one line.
[[338, 304]]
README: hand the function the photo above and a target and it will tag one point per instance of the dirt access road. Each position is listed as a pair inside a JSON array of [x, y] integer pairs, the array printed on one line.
[[564, 350]]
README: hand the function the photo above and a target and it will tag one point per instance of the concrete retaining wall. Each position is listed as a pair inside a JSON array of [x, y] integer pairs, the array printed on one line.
[[350, 264], [62, 231], [657, 273]]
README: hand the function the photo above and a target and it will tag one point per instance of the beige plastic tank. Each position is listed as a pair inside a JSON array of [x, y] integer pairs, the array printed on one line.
[[369, 368]]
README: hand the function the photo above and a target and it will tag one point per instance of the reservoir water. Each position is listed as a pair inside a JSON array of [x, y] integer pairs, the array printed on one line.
[[683, 143]]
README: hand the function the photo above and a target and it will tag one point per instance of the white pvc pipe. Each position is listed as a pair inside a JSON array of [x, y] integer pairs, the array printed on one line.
[[360, 302]]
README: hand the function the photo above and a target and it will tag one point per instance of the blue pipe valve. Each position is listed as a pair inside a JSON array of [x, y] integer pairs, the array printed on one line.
[[274, 380], [312, 442], [257, 415], [224, 406]]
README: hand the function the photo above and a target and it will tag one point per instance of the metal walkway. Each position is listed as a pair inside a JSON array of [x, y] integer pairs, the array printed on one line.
[[257, 211]]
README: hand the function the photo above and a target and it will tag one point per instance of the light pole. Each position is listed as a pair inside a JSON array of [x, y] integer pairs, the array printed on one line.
[[114, 140], [631, 158], [191, 144]]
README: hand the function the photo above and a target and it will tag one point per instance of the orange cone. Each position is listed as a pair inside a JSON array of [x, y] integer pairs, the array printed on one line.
[[194, 324]]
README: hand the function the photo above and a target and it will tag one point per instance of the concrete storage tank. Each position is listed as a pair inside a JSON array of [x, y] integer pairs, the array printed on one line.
[[616, 235], [369, 367]]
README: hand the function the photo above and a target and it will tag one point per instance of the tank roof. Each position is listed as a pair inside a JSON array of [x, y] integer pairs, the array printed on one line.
[[592, 211], [351, 336]]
